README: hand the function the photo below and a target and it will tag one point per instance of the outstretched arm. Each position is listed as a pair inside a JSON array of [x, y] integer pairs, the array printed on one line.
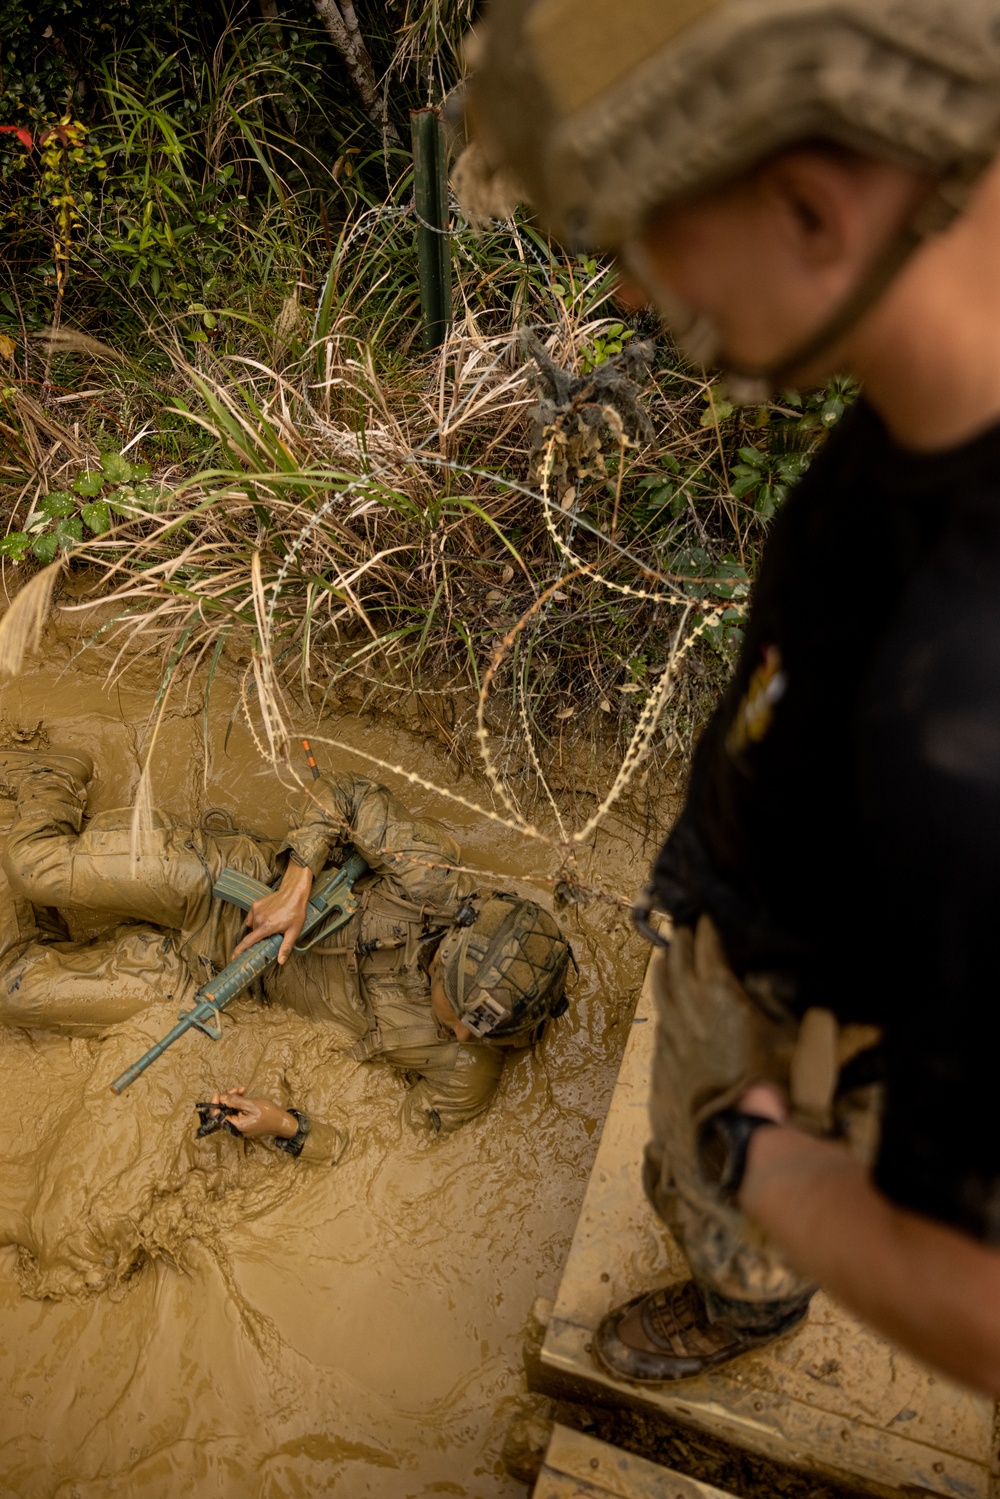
[[932, 1289], [257, 1117]]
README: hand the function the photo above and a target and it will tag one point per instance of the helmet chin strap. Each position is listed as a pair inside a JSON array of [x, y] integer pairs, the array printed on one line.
[[749, 381], [698, 337]]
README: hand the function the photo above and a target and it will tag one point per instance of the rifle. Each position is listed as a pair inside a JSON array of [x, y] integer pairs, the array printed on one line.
[[331, 905]]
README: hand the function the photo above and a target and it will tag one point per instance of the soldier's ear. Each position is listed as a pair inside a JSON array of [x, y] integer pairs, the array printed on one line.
[[820, 203], [836, 206]]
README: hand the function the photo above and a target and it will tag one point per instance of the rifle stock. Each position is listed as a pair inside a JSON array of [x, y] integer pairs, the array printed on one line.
[[331, 905]]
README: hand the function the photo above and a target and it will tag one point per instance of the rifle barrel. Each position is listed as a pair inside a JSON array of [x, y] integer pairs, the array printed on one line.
[[148, 1058]]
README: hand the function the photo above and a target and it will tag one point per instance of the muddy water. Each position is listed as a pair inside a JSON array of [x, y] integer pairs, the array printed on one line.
[[210, 1317]]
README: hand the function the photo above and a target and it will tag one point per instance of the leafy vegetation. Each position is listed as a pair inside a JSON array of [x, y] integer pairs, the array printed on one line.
[[213, 406]]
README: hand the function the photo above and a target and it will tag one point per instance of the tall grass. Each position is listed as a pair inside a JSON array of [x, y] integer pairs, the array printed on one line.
[[369, 526]]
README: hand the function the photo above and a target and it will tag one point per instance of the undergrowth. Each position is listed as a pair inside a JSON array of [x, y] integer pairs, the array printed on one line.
[[214, 412]]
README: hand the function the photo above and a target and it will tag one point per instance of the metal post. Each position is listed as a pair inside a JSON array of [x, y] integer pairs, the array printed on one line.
[[430, 194]]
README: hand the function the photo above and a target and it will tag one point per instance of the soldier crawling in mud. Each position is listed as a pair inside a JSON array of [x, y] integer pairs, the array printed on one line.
[[428, 976]]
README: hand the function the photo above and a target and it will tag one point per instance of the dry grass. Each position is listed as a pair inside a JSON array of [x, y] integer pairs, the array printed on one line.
[[366, 525]]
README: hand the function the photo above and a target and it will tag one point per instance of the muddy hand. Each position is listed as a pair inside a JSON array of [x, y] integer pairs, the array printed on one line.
[[283, 911], [213, 1116], [256, 1116]]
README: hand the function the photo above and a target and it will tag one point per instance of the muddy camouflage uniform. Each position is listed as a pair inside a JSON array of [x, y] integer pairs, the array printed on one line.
[[367, 979]]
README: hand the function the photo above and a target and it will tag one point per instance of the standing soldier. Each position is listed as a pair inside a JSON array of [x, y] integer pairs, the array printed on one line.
[[801, 188]]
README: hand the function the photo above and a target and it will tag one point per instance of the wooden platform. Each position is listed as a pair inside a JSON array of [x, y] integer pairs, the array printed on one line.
[[580, 1467], [831, 1399]]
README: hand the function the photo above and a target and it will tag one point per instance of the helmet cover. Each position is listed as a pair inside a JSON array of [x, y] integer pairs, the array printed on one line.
[[504, 974], [602, 113]]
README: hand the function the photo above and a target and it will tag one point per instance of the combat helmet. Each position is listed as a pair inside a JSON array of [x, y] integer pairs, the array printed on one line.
[[602, 112], [504, 973]]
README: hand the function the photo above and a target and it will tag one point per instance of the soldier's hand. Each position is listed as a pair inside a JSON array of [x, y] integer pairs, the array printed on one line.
[[282, 911], [256, 1116]]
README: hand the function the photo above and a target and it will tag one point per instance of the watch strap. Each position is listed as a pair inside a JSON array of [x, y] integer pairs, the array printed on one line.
[[723, 1143], [293, 1146]]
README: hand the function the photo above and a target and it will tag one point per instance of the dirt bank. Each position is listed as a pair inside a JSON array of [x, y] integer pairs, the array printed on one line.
[[185, 1317]]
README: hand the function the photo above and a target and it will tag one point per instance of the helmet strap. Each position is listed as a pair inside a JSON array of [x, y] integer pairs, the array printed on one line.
[[754, 384]]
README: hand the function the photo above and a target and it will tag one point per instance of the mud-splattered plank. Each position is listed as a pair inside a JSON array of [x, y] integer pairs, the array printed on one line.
[[578, 1466]]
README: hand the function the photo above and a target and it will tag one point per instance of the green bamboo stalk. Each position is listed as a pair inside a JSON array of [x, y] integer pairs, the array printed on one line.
[[430, 194]]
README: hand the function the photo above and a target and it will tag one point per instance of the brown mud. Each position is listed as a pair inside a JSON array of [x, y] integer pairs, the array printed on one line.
[[181, 1316]]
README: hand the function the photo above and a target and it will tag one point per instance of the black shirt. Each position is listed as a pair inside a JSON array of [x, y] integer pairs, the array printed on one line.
[[842, 825]]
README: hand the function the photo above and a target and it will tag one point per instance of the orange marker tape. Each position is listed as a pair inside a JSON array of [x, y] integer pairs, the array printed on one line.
[[309, 757]]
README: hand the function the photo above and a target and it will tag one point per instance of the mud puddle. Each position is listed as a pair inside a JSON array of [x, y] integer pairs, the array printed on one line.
[[181, 1317]]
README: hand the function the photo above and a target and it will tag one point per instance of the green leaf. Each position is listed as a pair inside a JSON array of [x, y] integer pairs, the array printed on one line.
[[719, 412], [45, 547], [147, 496], [765, 503], [69, 531], [657, 498], [59, 502], [753, 456], [15, 545], [89, 484], [122, 500], [117, 470], [96, 516], [133, 497], [743, 485]]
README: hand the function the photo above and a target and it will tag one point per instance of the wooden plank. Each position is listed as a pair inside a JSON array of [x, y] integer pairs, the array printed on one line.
[[831, 1398], [578, 1466]]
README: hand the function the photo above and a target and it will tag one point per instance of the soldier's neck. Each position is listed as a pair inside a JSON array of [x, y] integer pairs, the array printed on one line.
[[929, 354]]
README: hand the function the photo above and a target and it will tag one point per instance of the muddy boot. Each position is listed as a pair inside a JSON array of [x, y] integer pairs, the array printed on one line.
[[670, 1334], [72, 763]]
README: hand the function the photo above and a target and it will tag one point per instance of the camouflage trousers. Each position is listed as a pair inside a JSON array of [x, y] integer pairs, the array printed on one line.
[[173, 934], [712, 1042]]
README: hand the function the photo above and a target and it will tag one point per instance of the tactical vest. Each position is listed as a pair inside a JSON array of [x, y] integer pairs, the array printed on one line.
[[390, 933]]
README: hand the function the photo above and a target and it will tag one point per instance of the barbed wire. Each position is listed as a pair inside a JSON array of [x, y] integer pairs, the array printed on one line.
[[567, 842], [353, 493]]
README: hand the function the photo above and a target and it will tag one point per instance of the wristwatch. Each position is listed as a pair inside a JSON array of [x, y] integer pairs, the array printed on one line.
[[723, 1142], [293, 1146]]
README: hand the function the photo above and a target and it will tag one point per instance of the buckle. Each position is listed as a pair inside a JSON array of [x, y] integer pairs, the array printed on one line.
[[369, 1046], [486, 1016]]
